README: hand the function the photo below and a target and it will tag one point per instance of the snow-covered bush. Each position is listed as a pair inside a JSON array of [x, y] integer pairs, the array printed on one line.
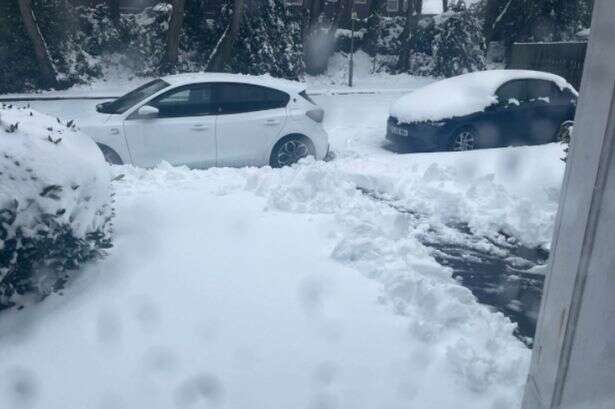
[[135, 41], [389, 44], [388, 41], [421, 64], [55, 204], [270, 41], [59, 23], [458, 45]]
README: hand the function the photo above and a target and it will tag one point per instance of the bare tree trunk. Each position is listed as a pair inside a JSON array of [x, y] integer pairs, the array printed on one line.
[[444, 6], [413, 12], [315, 11], [225, 51], [371, 37], [340, 10], [48, 71], [169, 61]]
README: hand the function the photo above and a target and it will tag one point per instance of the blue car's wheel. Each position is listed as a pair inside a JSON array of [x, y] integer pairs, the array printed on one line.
[[464, 139]]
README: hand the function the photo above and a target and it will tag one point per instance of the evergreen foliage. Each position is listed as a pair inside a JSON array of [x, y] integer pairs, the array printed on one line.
[[59, 23], [444, 46], [37, 262], [458, 45], [284, 41], [53, 218], [270, 41], [535, 20], [134, 41]]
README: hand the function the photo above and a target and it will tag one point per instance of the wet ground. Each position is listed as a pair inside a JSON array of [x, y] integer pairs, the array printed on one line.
[[500, 271]]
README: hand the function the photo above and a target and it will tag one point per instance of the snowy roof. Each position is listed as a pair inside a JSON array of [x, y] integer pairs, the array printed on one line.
[[264, 80], [461, 95]]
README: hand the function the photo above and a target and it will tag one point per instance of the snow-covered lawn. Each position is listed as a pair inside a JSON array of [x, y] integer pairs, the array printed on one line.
[[261, 288]]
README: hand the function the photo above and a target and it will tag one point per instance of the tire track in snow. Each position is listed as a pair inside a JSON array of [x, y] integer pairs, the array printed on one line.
[[500, 271]]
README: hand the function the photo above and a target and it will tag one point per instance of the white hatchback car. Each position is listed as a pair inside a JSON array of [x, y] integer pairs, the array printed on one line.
[[211, 119]]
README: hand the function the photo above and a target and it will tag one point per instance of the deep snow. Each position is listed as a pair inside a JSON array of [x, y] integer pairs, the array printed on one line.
[[290, 288], [261, 288]]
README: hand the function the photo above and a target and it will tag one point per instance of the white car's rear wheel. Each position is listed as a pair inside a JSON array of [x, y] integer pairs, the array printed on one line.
[[290, 150]]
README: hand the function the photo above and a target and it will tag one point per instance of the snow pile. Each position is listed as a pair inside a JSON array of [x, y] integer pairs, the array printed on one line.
[[453, 342], [450, 195], [490, 191], [54, 202], [461, 95], [458, 336]]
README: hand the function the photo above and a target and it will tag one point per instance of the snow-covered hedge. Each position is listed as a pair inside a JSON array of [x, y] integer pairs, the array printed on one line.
[[442, 46], [55, 203]]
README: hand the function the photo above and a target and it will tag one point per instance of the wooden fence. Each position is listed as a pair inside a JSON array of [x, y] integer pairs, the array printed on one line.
[[564, 59]]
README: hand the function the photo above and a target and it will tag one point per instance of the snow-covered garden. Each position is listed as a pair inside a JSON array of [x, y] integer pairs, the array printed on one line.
[[291, 287], [362, 281]]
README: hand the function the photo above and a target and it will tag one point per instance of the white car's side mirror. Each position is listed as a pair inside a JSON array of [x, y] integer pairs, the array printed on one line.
[[148, 111]]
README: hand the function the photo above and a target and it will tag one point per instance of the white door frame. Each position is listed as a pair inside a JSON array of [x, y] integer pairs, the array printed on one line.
[[573, 360]]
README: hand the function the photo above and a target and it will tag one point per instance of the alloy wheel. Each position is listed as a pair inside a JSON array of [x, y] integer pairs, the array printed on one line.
[[464, 141], [290, 152]]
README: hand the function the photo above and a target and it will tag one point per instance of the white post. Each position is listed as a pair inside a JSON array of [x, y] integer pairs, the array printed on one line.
[[573, 361]]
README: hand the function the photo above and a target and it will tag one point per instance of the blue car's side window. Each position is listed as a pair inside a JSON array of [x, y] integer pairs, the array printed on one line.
[[512, 93]]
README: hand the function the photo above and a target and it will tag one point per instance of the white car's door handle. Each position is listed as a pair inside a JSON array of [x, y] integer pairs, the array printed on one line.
[[199, 127], [114, 131], [272, 122]]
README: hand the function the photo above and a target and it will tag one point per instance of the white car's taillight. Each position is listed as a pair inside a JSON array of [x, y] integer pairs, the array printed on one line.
[[316, 114]]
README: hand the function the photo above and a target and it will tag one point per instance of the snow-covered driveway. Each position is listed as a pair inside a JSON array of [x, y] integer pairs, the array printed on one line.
[[260, 288]]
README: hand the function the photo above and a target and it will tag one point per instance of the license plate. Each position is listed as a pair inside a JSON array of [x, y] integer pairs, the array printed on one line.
[[398, 131]]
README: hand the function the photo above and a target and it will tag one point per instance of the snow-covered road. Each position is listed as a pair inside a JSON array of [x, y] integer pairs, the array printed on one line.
[[265, 288]]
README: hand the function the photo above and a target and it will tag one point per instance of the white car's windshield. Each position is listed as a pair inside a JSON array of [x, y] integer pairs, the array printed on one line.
[[125, 102]]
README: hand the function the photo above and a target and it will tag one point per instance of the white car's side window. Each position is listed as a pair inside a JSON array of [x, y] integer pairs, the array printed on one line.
[[190, 100], [236, 98]]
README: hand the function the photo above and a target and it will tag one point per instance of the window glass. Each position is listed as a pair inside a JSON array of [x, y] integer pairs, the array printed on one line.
[[512, 92], [541, 90], [191, 100], [392, 5], [562, 96], [123, 103], [236, 98]]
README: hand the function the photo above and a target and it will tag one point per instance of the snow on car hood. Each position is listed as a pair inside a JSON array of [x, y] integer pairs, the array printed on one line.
[[461, 95]]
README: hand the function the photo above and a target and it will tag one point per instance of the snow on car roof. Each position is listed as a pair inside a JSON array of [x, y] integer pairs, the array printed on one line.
[[264, 80], [462, 95]]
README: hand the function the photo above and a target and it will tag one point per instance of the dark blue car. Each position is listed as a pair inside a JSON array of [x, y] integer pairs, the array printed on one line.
[[484, 110]]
